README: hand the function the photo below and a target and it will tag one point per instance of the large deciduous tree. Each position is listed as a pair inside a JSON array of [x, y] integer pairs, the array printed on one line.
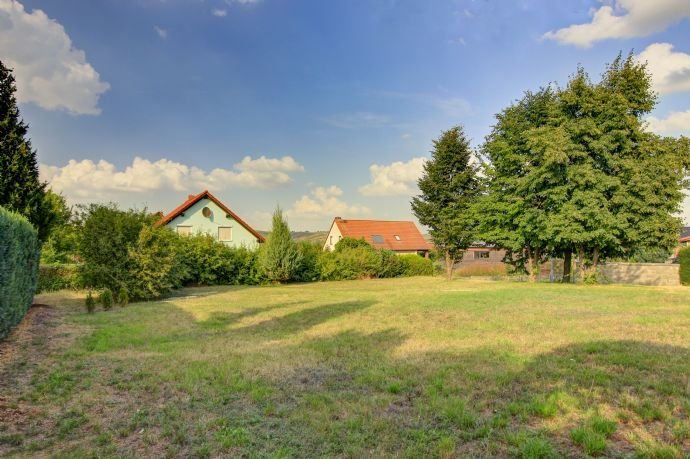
[[449, 190], [574, 170], [20, 187]]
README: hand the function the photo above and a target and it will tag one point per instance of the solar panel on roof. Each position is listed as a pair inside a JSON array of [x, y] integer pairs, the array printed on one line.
[[377, 238]]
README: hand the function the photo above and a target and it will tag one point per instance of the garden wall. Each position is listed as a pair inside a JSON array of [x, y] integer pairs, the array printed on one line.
[[641, 273]]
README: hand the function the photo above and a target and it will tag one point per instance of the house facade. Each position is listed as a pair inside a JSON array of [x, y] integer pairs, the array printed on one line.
[[401, 237], [203, 213]]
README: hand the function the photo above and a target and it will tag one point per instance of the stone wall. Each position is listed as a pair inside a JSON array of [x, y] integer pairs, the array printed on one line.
[[641, 273]]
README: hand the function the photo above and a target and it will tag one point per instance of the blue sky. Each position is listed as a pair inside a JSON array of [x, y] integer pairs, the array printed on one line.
[[324, 107]]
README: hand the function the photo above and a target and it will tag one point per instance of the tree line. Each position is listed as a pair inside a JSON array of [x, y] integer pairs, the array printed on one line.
[[565, 172]]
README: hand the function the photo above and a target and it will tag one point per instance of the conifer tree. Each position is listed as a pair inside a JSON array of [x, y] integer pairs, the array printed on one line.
[[449, 191], [20, 187], [279, 258]]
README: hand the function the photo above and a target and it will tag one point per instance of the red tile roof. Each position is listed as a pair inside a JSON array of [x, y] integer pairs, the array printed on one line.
[[410, 237], [193, 199]]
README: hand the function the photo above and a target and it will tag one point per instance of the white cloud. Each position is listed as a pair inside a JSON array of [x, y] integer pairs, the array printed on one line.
[[221, 13], [670, 69], [675, 123], [625, 19], [50, 71], [162, 33], [396, 179], [325, 202], [457, 41], [86, 178], [357, 120]]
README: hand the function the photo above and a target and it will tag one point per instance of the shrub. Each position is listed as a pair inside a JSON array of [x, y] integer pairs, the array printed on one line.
[[90, 303], [106, 299], [684, 269], [107, 236], [308, 270], [55, 277], [414, 265], [122, 297], [350, 263], [156, 264], [359, 261], [388, 264], [209, 262], [19, 255], [351, 243]]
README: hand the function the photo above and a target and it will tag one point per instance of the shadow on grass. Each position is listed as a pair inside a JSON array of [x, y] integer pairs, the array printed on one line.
[[220, 319], [592, 398], [299, 321]]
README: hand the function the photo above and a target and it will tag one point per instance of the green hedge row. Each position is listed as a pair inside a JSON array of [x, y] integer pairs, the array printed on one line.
[[684, 270], [19, 255], [53, 277]]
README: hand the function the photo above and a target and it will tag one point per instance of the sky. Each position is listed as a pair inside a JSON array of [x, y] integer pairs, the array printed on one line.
[[325, 108]]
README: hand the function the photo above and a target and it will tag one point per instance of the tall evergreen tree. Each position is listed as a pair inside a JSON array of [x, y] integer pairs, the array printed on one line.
[[20, 187], [449, 191], [279, 258]]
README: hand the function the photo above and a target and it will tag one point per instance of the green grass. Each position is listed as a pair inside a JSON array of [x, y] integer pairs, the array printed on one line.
[[415, 367]]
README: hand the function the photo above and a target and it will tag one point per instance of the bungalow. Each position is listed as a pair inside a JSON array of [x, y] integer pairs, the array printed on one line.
[[401, 237], [203, 213]]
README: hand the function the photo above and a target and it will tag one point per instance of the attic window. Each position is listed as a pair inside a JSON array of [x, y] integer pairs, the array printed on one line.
[[397, 238], [377, 238]]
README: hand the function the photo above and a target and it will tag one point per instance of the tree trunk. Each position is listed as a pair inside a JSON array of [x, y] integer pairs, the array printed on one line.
[[450, 265], [567, 265], [534, 268], [595, 257]]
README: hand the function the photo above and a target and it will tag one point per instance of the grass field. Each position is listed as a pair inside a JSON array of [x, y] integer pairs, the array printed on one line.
[[415, 367]]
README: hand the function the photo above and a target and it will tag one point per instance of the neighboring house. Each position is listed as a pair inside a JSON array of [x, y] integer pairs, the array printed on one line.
[[205, 214], [481, 253], [401, 237], [683, 241]]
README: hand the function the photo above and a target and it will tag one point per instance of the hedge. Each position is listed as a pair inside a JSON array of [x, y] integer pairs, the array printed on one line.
[[684, 269], [414, 265], [58, 276], [19, 255]]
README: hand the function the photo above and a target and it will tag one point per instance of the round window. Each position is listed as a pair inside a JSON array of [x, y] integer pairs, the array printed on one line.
[[206, 212]]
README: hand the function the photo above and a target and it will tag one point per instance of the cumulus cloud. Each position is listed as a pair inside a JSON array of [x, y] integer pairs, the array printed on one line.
[[219, 12], [50, 71], [625, 19], [396, 179], [670, 69], [676, 123], [325, 202], [86, 178]]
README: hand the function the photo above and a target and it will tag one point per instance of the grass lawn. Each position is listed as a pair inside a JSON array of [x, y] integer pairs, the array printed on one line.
[[415, 367]]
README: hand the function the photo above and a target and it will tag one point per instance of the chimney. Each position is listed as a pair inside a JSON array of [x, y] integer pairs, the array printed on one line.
[[338, 218], [190, 196]]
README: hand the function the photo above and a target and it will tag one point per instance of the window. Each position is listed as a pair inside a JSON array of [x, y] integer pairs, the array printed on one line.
[[397, 238], [377, 238], [481, 255], [331, 240], [225, 233], [184, 230]]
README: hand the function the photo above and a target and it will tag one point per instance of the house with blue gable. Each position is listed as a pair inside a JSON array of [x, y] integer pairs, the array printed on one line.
[[203, 213]]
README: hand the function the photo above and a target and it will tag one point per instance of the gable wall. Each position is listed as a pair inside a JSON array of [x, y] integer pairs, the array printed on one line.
[[193, 217]]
